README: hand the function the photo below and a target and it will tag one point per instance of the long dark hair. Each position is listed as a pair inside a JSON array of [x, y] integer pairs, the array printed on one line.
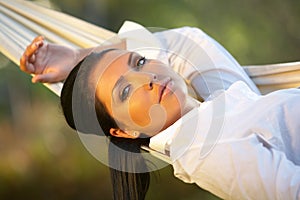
[[126, 183]]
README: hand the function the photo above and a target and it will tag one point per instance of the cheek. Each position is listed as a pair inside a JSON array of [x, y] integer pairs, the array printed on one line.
[[173, 107], [139, 107], [144, 111]]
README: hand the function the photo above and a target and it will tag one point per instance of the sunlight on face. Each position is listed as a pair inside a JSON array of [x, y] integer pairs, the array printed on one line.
[[140, 94]]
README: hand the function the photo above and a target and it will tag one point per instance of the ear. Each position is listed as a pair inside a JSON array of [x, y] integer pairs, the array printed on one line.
[[124, 134]]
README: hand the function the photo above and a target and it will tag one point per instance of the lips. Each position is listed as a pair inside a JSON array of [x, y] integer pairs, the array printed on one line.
[[162, 88]]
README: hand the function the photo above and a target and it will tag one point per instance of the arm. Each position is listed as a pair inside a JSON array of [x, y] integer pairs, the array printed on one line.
[[51, 62], [242, 169], [202, 61]]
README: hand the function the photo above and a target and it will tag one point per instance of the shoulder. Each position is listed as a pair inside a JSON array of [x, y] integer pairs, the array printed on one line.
[[182, 33]]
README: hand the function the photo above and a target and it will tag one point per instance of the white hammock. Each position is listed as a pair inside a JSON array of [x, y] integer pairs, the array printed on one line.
[[21, 21]]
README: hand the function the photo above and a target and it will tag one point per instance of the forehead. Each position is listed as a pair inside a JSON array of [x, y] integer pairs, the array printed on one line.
[[108, 71]]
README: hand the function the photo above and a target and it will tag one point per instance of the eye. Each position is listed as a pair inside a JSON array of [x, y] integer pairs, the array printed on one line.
[[141, 61], [125, 93]]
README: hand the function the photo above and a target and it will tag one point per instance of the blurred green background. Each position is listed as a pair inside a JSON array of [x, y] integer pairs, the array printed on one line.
[[41, 158]]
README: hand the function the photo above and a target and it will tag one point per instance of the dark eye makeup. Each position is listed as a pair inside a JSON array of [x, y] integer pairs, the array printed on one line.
[[141, 61], [124, 93], [138, 62]]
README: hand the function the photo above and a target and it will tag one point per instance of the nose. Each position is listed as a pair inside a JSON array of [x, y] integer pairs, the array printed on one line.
[[143, 79], [152, 78]]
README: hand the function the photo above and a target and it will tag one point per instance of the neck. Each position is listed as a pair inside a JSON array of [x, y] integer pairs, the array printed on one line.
[[191, 103]]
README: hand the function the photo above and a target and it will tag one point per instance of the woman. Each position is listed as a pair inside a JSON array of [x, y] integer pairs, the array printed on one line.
[[128, 92]]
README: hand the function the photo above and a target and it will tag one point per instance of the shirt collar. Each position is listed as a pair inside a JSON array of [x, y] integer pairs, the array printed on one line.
[[161, 142], [202, 126]]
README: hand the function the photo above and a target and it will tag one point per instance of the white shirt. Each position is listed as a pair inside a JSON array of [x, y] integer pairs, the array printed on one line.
[[202, 61], [239, 145], [227, 146]]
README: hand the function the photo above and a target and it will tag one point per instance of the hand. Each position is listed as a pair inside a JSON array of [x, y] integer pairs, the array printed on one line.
[[48, 62]]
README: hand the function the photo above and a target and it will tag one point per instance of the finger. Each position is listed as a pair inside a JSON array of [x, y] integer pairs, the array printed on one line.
[[32, 58], [39, 41], [28, 55], [23, 61], [31, 49], [44, 78], [38, 38], [39, 44], [30, 67], [25, 65], [34, 46]]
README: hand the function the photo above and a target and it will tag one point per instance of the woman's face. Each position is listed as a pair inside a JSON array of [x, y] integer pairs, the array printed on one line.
[[140, 94]]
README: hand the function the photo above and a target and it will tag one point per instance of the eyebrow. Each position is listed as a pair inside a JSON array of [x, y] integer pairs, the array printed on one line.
[[129, 62], [119, 81]]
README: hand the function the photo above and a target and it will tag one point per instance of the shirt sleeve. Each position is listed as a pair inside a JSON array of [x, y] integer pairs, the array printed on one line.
[[246, 168], [203, 62]]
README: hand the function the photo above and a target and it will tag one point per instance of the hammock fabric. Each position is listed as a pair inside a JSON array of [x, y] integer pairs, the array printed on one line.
[[21, 21]]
